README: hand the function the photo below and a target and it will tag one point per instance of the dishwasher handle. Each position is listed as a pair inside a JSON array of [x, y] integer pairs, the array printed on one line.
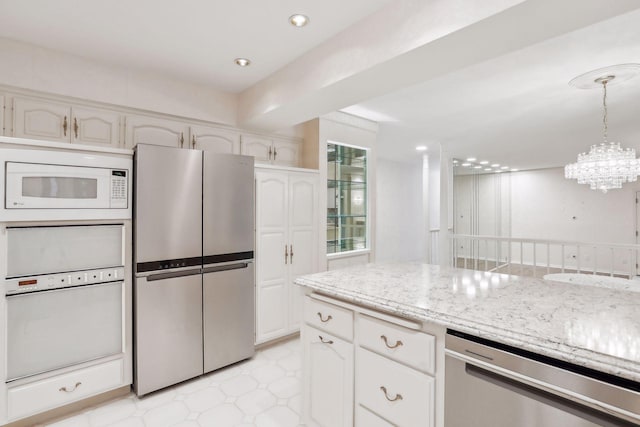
[[226, 267], [543, 396]]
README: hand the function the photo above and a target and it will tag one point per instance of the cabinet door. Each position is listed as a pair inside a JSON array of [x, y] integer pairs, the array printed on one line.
[[259, 147], [2, 115], [328, 379], [215, 140], [286, 153], [271, 270], [95, 127], [303, 244], [37, 119], [149, 130]]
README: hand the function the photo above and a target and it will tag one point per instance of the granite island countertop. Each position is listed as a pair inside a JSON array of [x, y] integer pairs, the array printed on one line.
[[588, 325]]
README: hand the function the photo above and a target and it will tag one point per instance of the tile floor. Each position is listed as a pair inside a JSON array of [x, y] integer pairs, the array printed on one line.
[[263, 391]]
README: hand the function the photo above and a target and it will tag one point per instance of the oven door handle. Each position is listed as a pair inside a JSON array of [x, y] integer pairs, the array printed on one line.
[[546, 397]]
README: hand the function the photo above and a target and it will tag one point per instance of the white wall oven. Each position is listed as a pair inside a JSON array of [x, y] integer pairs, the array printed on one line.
[[42, 185], [64, 291]]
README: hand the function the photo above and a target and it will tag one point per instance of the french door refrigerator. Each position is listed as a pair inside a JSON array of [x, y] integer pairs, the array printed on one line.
[[194, 271]]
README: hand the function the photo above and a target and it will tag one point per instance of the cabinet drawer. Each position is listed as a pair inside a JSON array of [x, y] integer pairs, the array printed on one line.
[[50, 393], [410, 347], [398, 393], [329, 317], [366, 418]]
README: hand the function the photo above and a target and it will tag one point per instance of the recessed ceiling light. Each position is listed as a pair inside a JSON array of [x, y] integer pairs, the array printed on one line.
[[504, 168], [484, 162], [298, 20], [495, 165], [421, 148], [477, 167], [515, 170], [488, 169], [498, 171], [455, 161], [471, 159], [243, 62], [466, 164]]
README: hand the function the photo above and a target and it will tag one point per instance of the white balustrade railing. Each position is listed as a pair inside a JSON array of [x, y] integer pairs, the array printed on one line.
[[531, 257]]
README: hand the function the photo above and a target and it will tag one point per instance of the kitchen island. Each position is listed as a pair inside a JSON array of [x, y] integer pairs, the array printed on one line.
[[589, 326]]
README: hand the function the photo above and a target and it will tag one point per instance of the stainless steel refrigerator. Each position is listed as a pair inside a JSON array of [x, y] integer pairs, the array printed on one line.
[[194, 271]]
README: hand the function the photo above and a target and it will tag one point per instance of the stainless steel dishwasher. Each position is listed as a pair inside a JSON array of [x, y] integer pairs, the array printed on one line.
[[489, 384]]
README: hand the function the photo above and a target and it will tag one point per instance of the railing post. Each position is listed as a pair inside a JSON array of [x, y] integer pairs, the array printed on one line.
[[548, 258]]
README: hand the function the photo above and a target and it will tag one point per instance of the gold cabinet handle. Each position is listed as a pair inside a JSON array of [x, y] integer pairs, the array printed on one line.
[[181, 139], [384, 390], [326, 319], [270, 151], [75, 126], [323, 341], [275, 153], [291, 253], [386, 342], [286, 254], [193, 141], [78, 384], [65, 125]]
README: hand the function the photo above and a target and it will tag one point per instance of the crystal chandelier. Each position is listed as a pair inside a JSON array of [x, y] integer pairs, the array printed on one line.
[[606, 166]]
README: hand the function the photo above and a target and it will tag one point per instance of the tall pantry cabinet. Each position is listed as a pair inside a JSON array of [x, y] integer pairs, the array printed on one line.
[[286, 247]]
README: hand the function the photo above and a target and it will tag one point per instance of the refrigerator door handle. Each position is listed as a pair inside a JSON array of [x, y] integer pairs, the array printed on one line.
[[216, 269], [173, 274]]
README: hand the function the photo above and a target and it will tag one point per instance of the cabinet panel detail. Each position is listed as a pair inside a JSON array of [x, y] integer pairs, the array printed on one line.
[[41, 120], [215, 140], [148, 130], [95, 127], [328, 364]]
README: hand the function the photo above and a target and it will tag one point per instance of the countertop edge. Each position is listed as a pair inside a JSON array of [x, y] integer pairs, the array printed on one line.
[[582, 357]]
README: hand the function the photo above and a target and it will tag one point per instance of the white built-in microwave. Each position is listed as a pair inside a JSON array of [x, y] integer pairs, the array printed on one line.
[[51, 185], [40, 186]]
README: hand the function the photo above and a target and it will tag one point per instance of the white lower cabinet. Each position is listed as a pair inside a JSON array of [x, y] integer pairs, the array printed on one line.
[[32, 398], [366, 418], [395, 374], [328, 361], [286, 247]]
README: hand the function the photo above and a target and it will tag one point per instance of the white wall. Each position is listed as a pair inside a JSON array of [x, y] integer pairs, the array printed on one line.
[[400, 216], [544, 204], [31, 67]]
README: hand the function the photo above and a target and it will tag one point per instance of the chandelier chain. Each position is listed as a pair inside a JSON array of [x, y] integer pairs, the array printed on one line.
[[605, 125]]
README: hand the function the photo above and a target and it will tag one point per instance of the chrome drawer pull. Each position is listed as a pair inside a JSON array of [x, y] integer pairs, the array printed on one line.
[[322, 340], [326, 319], [78, 384], [384, 390], [396, 345]]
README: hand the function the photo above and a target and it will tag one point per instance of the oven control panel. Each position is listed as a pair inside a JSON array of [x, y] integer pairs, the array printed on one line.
[[20, 285]]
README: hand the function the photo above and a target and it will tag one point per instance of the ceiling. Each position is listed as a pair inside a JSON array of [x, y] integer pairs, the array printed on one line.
[[195, 40], [518, 109], [489, 83]]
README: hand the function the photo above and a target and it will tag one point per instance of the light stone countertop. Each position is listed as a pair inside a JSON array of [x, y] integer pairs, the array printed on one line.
[[588, 325]]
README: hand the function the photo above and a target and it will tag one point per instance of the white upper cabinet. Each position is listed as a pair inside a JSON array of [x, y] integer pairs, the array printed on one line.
[[96, 127], [285, 152], [271, 151], [257, 146], [150, 130], [38, 119], [215, 140]]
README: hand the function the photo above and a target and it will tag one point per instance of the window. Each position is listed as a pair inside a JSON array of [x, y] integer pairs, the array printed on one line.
[[347, 198]]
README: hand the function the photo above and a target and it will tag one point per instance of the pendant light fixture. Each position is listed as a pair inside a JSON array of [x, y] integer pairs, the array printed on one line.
[[607, 165]]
